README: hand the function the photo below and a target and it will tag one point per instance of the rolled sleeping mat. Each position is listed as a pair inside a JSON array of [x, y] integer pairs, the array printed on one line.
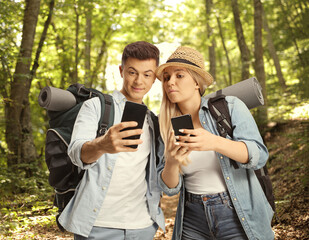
[[56, 99], [249, 91]]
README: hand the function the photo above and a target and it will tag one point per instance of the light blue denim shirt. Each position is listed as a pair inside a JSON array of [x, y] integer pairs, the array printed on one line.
[[250, 203], [81, 212]]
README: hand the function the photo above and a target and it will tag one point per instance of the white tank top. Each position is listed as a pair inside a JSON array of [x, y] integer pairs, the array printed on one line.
[[203, 175]]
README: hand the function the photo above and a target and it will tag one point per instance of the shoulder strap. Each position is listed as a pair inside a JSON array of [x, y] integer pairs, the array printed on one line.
[[219, 110], [157, 133], [106, 119]]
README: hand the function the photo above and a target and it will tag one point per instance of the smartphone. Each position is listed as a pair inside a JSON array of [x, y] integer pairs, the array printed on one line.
[[182, 122], [134, 112]]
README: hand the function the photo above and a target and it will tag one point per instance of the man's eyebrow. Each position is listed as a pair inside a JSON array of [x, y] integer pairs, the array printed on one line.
[[144, 71], [133, 69]]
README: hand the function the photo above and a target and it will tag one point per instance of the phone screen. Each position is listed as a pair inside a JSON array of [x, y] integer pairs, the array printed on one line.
[[134, 112], [182, 122]]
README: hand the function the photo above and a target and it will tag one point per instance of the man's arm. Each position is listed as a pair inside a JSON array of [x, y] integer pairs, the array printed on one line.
[[111, 142]]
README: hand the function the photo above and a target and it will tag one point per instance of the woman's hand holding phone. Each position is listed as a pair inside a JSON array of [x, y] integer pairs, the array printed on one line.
[[198, 140]]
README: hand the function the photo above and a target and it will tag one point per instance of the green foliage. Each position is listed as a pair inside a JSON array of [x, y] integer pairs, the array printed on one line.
[[15, 180], [25, 202], [24, 211]]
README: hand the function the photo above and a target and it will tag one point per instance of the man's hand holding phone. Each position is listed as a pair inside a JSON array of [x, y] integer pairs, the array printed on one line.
[[120, 136], [111, 142]]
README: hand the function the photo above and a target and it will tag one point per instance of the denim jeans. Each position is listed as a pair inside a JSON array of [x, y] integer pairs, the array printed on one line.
[[102, 233], [211, 217]]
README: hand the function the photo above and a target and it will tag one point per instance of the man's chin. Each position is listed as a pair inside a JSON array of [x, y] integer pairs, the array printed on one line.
[[137, 96]]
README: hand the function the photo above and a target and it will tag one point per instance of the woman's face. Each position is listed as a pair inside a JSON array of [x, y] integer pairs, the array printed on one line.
[[179, 85]]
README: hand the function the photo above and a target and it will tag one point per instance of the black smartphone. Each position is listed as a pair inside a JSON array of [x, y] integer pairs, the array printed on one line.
[[182, 122], [134, 112]]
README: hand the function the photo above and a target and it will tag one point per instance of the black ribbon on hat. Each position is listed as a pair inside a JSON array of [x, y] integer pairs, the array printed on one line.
[[182, 61]]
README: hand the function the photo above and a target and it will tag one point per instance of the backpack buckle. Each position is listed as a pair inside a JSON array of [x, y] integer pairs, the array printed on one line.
[[222, 131], [102, 130]]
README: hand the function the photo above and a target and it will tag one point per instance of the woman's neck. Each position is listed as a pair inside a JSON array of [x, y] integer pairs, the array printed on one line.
[[191, 107]]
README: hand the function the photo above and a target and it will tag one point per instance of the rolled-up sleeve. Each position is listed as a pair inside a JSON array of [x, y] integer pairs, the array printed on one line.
[[246, 131], [160, 167], [169, 191], [85, 129]]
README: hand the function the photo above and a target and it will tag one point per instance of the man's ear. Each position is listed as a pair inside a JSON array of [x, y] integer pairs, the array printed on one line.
[[121, 71]]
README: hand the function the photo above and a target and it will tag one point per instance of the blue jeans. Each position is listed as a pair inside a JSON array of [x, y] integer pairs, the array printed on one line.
[[102, 233], [211, 217]]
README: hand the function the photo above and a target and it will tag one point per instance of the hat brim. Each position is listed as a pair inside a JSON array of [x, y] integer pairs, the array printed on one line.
[[205, 75]]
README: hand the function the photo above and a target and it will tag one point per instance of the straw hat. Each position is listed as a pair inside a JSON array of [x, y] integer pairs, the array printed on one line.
[[189, 58]]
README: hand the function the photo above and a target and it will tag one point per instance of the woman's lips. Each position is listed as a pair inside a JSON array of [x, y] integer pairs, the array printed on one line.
[[171, 91]]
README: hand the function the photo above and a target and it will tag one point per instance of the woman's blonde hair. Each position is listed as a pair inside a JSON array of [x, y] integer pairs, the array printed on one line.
[[169, 110]]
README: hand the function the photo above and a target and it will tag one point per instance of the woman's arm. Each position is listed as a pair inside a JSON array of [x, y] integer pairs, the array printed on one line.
[[206, 141], [247, 146], [174, 157]]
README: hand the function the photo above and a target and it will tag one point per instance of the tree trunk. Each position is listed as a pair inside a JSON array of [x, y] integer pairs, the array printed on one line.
[[75, 77], [65, 61], [18, 125], [42, 40], [244, 50], [225, 51], [88, 48], [259, 62], [211, 48], [273, 53]]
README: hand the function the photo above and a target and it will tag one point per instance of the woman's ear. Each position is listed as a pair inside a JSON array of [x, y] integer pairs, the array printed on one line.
[[197, 86]]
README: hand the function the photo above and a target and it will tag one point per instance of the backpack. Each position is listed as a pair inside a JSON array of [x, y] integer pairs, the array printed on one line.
[[219, 110], [64, 176]]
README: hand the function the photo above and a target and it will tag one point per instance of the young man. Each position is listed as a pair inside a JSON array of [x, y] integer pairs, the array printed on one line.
[[118, 197]]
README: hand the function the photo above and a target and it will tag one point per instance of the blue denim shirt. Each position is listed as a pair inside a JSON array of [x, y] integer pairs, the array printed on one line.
[[250, 203], [81, 212]]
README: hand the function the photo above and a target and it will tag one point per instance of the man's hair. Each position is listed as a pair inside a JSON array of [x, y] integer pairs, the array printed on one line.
[[140, 50]]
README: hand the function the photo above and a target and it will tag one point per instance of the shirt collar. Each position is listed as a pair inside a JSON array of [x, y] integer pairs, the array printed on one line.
[[118, 97], [204, 103]]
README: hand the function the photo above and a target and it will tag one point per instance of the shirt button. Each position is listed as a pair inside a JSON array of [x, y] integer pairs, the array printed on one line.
[[228, 178], [235, 199], [109, 168], [204, 122], [221, 157], [243, 219], [94, 210], [103, 188]]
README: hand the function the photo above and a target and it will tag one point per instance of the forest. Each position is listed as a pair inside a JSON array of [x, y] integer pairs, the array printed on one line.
[[61, 42]]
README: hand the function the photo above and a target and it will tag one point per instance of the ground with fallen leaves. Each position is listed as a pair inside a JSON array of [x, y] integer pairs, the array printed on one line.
[[288, 168]]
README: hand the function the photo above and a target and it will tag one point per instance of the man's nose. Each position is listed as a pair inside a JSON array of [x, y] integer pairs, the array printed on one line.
[[139, 78]]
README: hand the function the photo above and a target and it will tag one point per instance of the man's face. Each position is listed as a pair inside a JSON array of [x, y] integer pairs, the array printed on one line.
[[138, 77]]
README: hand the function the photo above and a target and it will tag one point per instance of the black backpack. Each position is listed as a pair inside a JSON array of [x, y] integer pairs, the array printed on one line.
[[219, 110], [63, 175]]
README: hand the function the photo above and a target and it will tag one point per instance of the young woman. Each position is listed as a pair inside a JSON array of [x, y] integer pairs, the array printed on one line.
[[217, 201]]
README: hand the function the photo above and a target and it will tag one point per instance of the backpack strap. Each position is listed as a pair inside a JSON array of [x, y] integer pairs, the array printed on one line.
[[106, 107], [220, 112], [156, 132]]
